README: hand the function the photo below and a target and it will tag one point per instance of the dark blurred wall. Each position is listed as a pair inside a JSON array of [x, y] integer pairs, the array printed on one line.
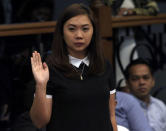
[[59, 5]]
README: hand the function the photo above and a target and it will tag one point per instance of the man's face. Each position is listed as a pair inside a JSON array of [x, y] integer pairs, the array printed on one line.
[[140, 81]]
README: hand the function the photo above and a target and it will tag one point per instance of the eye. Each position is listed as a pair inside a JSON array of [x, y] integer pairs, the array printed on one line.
[[71, 29], [85, 29], [134, 78], [146, 77]]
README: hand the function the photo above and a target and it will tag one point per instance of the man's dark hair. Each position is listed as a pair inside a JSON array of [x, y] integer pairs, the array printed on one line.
[[137, 62]]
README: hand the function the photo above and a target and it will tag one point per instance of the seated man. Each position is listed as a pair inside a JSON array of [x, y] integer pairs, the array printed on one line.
[[140, 81], [129, 113]]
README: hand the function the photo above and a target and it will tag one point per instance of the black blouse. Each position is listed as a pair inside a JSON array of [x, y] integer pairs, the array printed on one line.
[[80, 105]]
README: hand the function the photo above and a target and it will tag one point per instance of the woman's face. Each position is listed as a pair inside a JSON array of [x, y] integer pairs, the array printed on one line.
[[78, 32]]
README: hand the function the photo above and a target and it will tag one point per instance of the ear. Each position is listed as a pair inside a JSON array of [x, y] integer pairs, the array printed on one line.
[[127, 83], [127, 87], [153, 82]]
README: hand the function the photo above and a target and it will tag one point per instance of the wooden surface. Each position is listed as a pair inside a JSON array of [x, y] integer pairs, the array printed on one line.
[[27, 28], [49, 27], [104, 21], [130, 21]]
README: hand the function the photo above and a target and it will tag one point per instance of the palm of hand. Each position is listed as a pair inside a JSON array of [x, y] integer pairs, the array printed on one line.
[[39, 69]]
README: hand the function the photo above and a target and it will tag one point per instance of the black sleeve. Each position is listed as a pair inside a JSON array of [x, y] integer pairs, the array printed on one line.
[[51, 85], [111, 76]]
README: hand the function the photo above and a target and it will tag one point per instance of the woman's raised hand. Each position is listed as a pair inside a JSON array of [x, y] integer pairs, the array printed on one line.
[[40, 70]]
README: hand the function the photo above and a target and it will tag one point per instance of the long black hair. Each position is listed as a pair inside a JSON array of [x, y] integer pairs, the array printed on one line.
[[59, 57]]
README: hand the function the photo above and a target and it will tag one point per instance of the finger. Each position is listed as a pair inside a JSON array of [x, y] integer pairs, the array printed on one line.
[[32, 63], [45, 66], [39, 59], [34, 58]]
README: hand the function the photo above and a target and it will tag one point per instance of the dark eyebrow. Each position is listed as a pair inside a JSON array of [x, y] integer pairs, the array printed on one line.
[[75, 25], [86, 25], [145, 75], [71, 25], [134, 75]]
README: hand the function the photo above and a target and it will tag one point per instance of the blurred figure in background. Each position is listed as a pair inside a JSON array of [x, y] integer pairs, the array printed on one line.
[[133, 7], [129, 113], [5, 11], [140, 81]]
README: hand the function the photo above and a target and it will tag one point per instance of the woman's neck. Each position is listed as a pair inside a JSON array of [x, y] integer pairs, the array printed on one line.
[[78, 55]]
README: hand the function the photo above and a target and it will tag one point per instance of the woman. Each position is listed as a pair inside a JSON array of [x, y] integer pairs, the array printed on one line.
[[66, 97]]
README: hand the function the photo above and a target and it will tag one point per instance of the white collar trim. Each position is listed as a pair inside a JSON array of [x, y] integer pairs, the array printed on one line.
[[76, 62]]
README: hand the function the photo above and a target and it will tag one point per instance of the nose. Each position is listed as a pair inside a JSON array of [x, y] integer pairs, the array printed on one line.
[[79, 34], [141, 81]]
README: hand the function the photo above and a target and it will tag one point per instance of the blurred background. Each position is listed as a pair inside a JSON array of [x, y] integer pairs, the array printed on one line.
[[16, 85]]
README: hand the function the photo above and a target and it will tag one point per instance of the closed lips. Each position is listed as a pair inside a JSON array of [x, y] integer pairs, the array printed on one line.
[[78, 43]]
